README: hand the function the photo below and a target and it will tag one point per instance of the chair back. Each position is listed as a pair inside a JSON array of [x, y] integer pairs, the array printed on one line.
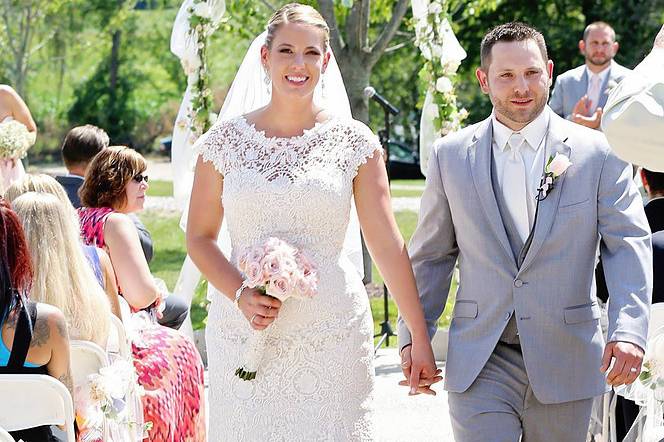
[[117, 339], [36, 400], [5, 436], [86, 359]]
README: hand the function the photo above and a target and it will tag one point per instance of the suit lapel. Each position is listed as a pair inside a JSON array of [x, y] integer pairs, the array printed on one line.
[[548, 207], [479, 156]]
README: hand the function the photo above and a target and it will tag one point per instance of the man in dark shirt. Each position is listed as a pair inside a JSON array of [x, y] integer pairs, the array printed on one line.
[[81, 144]]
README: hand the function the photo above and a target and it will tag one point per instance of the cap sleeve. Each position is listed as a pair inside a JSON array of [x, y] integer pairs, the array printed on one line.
[[216, 145], [364, 144]]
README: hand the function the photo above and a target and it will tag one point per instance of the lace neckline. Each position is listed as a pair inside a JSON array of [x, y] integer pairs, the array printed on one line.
[[305, 132]]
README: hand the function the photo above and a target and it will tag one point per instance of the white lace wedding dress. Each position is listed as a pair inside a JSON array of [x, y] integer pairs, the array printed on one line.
[[315, 382]]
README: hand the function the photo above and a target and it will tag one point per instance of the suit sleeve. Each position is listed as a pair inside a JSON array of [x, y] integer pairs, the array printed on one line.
[[556, 100], [145, 237], [433, 250], [626, 252]]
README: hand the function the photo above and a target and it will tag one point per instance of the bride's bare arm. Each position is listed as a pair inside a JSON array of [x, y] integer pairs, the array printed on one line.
[[387, 248], [203, 224]]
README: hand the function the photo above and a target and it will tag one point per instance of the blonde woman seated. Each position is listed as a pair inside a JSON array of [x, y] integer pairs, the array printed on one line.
[[63, 277], [168, 364], [96, 257], [34, 337]]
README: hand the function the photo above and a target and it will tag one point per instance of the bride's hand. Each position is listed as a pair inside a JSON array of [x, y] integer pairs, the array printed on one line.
[[419, 368], [260, 310]]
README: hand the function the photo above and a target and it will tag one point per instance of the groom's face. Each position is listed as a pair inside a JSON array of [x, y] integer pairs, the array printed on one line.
[[517, 79]]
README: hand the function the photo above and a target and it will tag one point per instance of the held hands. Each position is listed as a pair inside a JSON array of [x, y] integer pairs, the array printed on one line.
[[627, 365], [580, 114], [260, 310], [419, 368]]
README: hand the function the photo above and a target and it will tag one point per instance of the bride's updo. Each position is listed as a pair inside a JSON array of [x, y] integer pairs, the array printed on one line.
[[297, 13]]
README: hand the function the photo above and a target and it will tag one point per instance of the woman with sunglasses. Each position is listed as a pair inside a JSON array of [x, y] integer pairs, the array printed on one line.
[[168, 364]]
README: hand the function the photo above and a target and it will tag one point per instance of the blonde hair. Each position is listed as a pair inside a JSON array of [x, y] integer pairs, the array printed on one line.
[[297, 13], [63, 277], [37, 183]]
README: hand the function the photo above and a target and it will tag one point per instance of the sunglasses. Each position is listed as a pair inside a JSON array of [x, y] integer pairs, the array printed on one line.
[[140, 178]]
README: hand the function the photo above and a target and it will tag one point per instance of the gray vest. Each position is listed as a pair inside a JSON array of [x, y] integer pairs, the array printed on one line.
[[510, 334]]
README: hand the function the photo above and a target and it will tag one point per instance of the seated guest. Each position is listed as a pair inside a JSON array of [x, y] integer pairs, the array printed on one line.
[[63, 277], [81, 144], [114, 187], [34, 336], [168, 363], [97, 258], [653, 182]]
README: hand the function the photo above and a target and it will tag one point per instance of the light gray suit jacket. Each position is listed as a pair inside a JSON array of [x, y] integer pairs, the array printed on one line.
[[593, 204], [573, 84]]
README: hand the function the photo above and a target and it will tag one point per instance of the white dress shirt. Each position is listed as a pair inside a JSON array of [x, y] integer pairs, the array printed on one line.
[[594, 90], [532, 152]]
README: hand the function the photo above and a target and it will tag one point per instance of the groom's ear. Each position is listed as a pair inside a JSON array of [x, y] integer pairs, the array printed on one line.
[[483, 79]]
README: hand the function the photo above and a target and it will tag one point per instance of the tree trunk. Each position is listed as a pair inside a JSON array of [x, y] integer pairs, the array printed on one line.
[[114, 62], [356, 77]]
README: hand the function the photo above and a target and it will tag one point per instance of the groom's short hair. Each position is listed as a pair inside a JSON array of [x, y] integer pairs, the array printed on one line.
[[508, 32]]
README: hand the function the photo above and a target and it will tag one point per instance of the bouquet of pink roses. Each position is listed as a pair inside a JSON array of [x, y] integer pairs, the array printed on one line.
[[279, 270]]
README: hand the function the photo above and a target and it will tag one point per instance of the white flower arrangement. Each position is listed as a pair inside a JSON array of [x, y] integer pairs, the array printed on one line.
[[105, 398], [15, 140], [436, 41], [204, 19]]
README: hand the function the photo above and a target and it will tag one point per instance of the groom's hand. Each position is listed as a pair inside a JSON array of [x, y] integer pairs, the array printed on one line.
[[424, 383], [627, 365]]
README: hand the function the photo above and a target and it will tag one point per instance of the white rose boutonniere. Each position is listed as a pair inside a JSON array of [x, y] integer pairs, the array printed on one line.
[[610, 86], [555, 167]]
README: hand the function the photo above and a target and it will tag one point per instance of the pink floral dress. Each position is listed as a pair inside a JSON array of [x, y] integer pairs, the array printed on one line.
[[168, 365]]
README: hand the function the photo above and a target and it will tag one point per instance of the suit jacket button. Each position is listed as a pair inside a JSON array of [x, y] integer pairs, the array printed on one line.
[[518, 283]]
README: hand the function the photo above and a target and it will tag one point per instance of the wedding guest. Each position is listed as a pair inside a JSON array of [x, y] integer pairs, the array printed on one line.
[[96, 257], [168, 364], [81, 144], [12, 107], [112, 193], [633, 121], [580, 93], [34, 338], [526, 353], [63, 277], [653, 182]]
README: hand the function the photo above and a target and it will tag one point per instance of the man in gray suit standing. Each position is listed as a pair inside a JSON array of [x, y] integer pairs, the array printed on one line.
[[526, 352], [580, 94]]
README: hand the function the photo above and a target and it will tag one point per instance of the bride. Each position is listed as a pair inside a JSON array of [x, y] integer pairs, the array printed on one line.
[[12, 107], [290, 169]]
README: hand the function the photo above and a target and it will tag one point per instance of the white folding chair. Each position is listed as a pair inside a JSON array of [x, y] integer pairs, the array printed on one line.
[[117, 339], [86, 359], [33, 400], [5, 436]]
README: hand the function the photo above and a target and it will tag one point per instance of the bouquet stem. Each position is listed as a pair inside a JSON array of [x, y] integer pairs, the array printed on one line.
[[255, 347]]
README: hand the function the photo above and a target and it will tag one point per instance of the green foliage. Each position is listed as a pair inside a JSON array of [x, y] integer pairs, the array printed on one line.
[[115, 111]]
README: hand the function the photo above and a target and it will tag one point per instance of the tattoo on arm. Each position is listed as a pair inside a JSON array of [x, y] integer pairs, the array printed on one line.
[[61, 326], [67, 381]]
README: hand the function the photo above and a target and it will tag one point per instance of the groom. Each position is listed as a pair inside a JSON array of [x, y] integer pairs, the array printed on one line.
[[526, 352]]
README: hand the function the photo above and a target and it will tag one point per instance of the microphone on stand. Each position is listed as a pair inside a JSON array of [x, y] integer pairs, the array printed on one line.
[[370, 92]]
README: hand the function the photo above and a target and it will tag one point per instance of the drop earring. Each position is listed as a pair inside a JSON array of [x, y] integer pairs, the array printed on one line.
[[267, 81], [322, 86]]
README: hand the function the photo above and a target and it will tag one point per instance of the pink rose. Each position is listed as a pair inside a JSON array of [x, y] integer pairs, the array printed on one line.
[[254, 274], [271, 265], [279, 287], [559, 164]]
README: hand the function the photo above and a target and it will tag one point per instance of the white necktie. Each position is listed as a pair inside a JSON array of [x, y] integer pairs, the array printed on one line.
[[514, 186], [593, 92]]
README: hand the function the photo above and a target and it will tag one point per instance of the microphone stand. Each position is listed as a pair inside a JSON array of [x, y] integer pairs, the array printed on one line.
[[385, 328]]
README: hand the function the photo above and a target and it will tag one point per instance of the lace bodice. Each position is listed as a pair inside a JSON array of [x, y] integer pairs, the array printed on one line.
[[317, 373], [297, 188]]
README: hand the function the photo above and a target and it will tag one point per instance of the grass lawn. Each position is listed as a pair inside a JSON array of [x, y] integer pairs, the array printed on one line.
[[160, 188]]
